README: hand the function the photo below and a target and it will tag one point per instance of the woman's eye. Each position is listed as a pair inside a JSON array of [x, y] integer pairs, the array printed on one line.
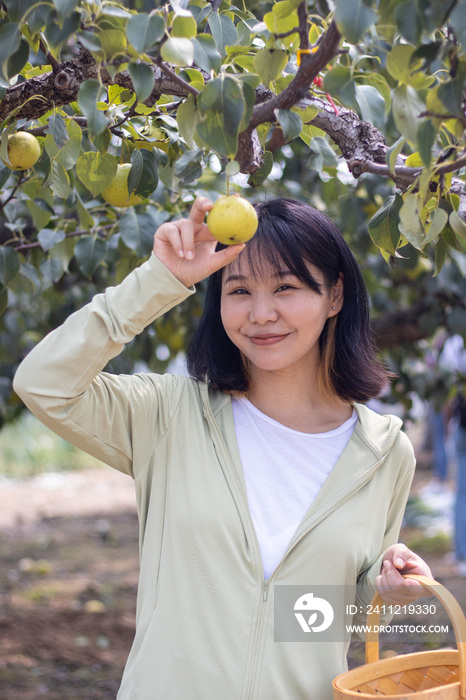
[[239, 291], [285, 287]]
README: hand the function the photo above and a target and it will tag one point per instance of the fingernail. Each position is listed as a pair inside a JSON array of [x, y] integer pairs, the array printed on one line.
[[190, 255], [180, 253], [399, 562]]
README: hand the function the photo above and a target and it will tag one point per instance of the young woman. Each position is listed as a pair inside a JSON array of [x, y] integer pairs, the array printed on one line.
[[262, 469]]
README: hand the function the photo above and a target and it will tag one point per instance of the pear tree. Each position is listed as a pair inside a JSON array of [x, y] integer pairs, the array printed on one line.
[[357, 106]]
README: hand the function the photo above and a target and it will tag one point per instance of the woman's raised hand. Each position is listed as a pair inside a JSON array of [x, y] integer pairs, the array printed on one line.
[[187, 248]]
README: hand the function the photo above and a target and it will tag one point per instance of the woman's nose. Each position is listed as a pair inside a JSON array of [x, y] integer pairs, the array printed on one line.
[[263, 310]]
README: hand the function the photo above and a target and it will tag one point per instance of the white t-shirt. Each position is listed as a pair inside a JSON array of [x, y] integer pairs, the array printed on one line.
[[284, 470]]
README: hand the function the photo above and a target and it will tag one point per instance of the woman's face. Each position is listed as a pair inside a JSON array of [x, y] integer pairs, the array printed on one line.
[[275, 320]]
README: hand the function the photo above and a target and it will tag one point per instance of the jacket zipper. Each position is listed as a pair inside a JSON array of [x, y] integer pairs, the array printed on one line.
[[252, 664]]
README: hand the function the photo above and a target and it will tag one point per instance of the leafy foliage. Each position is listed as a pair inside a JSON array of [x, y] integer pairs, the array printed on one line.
[[356, 106]]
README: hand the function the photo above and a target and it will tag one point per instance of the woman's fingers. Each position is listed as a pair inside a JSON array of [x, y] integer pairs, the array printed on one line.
[[224, 257], [187, 238], [199, 209], [170, 233]]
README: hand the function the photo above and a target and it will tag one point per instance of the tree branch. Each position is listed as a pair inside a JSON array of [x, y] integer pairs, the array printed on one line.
[[404, 326], [23, 247], [303, 33], [186, 87], [311, 65]]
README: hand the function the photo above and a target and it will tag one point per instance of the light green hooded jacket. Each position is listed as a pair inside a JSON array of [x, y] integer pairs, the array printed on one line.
[[205, 615]]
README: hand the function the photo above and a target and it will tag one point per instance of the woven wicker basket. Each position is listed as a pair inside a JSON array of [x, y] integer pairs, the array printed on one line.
[[430, 675]]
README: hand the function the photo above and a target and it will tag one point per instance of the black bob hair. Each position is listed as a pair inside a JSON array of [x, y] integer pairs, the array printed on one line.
[[291, 232]]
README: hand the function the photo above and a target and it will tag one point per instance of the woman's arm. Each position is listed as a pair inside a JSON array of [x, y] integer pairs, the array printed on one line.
[[61, 379]]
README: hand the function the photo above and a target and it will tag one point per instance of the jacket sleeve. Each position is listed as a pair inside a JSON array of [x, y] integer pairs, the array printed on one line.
[[61, 380], [403, 455]]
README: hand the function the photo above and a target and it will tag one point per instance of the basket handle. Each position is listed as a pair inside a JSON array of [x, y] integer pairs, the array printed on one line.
[[450, 604]]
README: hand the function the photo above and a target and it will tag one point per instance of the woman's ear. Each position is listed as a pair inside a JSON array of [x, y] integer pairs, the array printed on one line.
[[337, 296]]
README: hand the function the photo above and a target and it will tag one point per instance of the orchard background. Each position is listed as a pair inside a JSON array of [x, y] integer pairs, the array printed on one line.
[[356, 106]]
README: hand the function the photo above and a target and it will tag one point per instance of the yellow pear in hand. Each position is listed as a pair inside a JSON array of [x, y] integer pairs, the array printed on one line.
[[117, 193], [232, 220], [23, 151]]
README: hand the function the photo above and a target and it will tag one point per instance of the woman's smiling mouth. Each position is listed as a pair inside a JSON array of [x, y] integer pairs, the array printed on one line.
[[267, 338]]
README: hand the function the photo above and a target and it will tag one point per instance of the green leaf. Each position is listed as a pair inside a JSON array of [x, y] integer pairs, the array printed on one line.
[[63, 252], [89, 94], [188, 117], [90, 252], [137, 231], [216, 137], [371, 104], [69, 153], [4, 175], [261, 175], [40, 211], [57, 127], [438, 222], [410, 221], [89, 40], [279, 23], [393, 153], [425, 140], [10, 39], [102, 141], [86, 220], [57, 34], [29, 272], [188, 167], [206, 55], [58, 180], [3, 299], [459, 228], [290, 123], [51, 270], [18, 60], [232, 168], [353, 18], [285, 7], [383, 226], [451, 95], [50, 237], [321, 155], [407, 106], [458, 23], [178, 51], [18, 8], [143, 79], [96, 171], [440, 255], [65, 7], [223, 31], [270, 64], [339, 83], [150, 173], [224, 96], [184, 25], [9, 265], [134, 176], [399, 63], [409, 20], [143, 31]]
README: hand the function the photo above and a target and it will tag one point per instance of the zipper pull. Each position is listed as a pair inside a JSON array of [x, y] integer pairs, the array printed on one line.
[[265, 586]]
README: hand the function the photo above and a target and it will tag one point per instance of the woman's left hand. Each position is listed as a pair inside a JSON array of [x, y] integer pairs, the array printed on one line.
[[394, 589]]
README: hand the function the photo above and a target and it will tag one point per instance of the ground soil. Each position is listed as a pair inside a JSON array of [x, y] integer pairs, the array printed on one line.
[[68, 577]]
